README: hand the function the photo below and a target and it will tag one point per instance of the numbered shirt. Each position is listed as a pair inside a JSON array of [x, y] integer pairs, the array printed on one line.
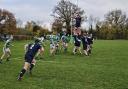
[[77, 39], [33, 49], [84, 40]]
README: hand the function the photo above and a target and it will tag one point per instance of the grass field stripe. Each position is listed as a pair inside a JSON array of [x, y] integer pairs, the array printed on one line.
[[20, 58], [17, 58]]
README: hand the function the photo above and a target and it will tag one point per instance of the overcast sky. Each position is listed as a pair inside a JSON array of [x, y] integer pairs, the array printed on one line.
[[40, 10]]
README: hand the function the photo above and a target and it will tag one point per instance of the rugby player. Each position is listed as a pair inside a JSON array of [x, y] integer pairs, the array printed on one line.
[[6, 49], [90, 42], [64, 41], [85, 43], [30, 54], [77, 44], [52, 45]]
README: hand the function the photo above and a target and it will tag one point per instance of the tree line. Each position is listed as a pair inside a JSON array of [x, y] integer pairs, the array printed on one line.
[[114, 25]]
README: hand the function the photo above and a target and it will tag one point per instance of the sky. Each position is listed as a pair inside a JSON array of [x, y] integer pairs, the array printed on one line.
[[41, 10]]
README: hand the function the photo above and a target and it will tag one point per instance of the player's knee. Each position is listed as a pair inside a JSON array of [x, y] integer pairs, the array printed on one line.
[[26, 65]]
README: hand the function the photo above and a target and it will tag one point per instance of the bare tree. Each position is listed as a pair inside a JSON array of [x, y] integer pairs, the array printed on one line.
[[92, 21], [116, 18]]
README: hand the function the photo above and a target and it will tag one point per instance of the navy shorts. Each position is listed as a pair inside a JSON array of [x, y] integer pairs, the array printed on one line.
[[28, 58], [84, 47], [77, 44]]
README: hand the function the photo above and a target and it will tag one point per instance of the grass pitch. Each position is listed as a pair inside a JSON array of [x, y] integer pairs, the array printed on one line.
[[106, 68]]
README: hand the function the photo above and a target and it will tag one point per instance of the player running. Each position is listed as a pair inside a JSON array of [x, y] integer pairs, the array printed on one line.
[[30, 54], [64, 40], [85, 43], [57, 43], [52, 45], [6, 49], [90, 42]]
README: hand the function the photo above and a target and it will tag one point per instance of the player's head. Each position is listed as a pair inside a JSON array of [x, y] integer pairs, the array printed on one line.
[[84, 33]]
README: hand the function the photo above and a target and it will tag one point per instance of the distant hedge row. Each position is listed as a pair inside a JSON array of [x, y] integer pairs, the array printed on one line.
[[18, 37], [22, 37]]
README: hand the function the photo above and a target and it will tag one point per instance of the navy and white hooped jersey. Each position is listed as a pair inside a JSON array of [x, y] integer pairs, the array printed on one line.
[[33, 49], [90, 40], [77, 39], [84, 40], [7, 44]]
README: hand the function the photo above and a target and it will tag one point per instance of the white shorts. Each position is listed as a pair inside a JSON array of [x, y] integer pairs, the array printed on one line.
[[6, 50], [52, 46], [57, 45], [65, 44]]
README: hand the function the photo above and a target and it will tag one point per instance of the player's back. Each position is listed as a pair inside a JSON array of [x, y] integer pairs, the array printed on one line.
[[84, 40], [77, 39], [7, 44], [90, 40], [33, 49]]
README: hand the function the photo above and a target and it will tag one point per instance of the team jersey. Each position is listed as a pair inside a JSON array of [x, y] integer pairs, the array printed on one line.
[[7, 44], [90, 40], [84, 40], [64, 39], [57, 38], [52, 40], [33, 49], [42, 41], [77, 39]]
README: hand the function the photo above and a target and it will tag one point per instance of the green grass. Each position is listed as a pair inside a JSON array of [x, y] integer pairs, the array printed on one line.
[[106, 68]]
